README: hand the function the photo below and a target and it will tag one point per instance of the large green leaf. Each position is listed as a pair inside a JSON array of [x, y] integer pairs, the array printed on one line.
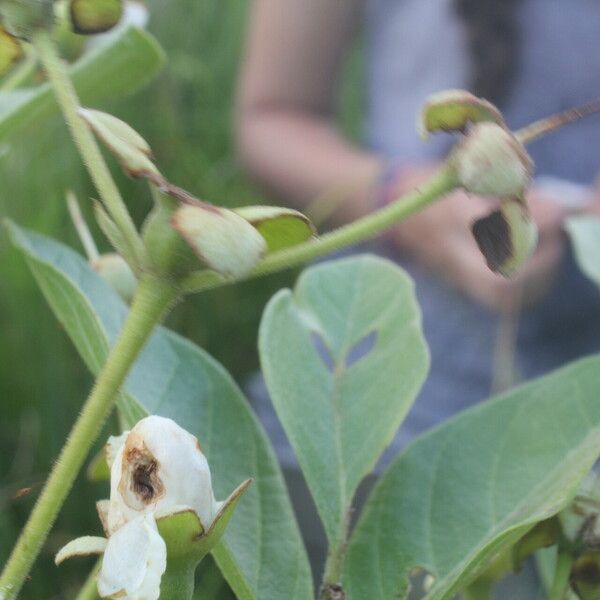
[[120, 64], [476, 484], [262, 556], [343, 357], [584, 231]]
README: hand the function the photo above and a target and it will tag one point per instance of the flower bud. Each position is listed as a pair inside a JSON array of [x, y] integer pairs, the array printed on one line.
[[492, 162], [223, 240], [117, 273], [95, 16], [585, 576]]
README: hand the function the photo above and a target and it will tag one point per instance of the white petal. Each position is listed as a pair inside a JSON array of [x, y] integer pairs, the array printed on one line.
[[161, 466], [112, 447], [82, 546], [134, 561]]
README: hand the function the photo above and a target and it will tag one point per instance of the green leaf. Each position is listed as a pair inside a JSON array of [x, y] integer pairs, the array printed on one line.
[[585, 237], [340, 410], [261, 555], [281, 227], [460, 494], [119, 65]]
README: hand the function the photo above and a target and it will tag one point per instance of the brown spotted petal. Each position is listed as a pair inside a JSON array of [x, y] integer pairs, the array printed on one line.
[[95, 16], [160, 466], [507, 237]]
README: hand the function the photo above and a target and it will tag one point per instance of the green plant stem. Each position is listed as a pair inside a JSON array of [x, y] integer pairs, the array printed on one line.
[[441, 183], [90, 152], [560, 584], [177, 582], [151, 303], [89, 591]]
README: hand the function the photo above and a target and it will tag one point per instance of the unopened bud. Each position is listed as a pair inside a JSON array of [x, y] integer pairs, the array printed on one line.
[[223, 240], [585, 576], [130, 148], [95, 16], [490, 161], [117, 273]]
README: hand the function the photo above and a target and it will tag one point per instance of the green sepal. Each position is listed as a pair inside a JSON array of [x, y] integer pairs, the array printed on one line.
[[281, 227], [95, 16], [454, 110], [184, 534], [97, 469]]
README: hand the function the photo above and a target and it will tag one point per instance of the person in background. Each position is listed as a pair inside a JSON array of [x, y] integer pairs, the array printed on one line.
[[532, 58]]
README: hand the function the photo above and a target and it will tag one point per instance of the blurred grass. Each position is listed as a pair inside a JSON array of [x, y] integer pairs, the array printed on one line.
[[186, 115]]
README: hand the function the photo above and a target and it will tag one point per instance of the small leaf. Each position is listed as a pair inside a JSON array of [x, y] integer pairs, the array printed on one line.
[[281, 227], [221, 238], [95, 16], [507, 237], [584, 232], [83, 546], [454, 110], [130, 148], [351, 326], [11, 50]]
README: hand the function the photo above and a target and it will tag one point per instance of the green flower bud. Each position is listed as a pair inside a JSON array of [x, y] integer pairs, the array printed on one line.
[[95, 16], [490, 161], [585, 576], [11, 50]]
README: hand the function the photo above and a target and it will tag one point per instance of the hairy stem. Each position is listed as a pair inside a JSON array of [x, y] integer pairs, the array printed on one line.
[[88, 148], [441, 183], [560, 584], [152, 301]]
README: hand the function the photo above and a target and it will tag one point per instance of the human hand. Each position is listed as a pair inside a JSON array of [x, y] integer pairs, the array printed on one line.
[[440, 238]]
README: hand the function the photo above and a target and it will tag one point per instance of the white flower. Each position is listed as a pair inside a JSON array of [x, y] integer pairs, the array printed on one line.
[[134, 561], [157, 470]]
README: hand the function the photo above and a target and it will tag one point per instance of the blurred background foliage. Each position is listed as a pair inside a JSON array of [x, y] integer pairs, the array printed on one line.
[[187, 116]]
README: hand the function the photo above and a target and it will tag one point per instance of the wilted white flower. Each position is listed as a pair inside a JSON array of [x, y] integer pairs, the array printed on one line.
[[134, 561], [158, 471]]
